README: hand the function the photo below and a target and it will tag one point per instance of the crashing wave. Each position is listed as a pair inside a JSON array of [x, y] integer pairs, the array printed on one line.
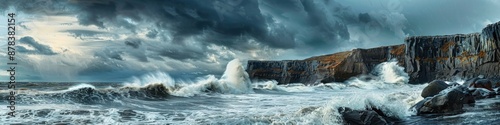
[[385, 75], [234, 81]]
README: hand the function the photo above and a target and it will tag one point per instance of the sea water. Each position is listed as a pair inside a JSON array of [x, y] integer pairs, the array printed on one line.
[[157, 98]]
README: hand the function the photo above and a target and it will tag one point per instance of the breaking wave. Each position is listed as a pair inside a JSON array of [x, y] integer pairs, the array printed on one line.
[[385, 75], [234, 81]]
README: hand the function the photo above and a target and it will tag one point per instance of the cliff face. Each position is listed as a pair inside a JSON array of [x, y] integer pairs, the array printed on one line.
[[287, 71], [336, 67], [342, 66], [462, 55], [425, 58]]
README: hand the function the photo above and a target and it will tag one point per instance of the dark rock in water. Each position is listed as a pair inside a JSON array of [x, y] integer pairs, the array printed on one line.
[[419, 105], [433, 88], [155, 91], [362, 117], [497, 84], [481, 93], [450, 102], [151, 91], [497, 91], [370, 116], [482, 83]]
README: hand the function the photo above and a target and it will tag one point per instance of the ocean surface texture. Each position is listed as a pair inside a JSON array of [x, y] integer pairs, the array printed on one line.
[[157, 98]]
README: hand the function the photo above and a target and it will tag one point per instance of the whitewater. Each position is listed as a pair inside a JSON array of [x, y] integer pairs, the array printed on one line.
[[157, 98]]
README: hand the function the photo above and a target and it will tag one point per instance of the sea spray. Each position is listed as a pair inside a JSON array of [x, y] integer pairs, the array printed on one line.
[[391, 72], [235, 80], [151, 78], [385, 75]]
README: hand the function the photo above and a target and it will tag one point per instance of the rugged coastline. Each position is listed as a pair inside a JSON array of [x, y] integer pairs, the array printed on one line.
[[425, 58]]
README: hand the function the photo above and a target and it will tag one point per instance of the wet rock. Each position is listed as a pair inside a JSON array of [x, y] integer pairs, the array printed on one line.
[[362, 117], [482, 83], [497, 91], [447, 102], [155, 91], [433, 88], [420, 104], [481, 93]]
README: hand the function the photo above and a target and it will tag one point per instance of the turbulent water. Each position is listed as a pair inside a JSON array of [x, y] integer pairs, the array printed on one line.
[[157, 98]]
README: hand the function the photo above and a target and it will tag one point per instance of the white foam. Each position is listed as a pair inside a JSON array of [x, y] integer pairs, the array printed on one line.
[[390, 72], [234, 81], [151, 78], [385, 75], [196, 88]]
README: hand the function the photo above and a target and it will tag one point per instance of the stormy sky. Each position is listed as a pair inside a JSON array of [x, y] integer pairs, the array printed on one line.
[[113, 40]]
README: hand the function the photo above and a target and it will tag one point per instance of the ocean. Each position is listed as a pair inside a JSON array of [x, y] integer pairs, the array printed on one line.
[[232, 99]]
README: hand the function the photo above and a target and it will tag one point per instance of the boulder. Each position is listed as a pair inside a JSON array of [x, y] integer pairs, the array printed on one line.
[[449, 102], [363, 117], [482, 83], [433, 88]]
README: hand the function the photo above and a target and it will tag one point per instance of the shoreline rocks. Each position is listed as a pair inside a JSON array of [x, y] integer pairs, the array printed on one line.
[[452, 99], [449, 102]]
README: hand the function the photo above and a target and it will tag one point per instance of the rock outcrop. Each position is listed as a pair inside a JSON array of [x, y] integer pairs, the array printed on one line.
[[425, 58]]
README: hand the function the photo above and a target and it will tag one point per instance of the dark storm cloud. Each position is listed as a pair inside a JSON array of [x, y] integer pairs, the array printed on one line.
[[134, 43], [38, 48], [186, 18], [109, 53], [279, 24]]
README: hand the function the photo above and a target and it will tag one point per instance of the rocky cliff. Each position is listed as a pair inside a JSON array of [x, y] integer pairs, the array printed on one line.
[[327, 68], [425, 58], [461, 55]]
